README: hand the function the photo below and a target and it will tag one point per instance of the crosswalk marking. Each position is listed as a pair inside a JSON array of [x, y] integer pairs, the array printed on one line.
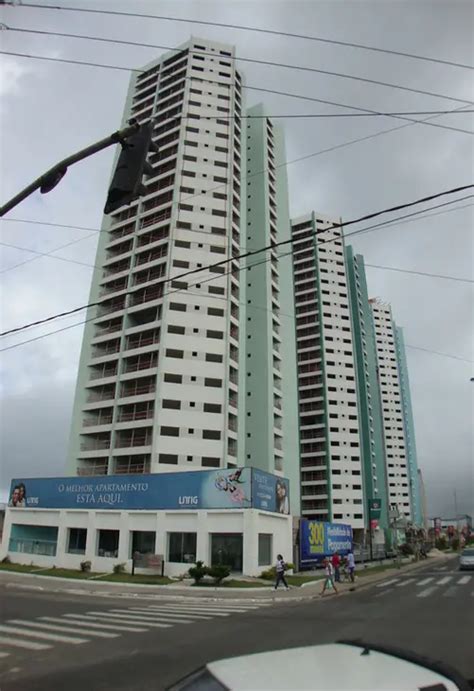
[[444, 580], [171, 613], [2, 654], [156, 616], [427, 591], [450, 592], [64, 628], [201, 610], [404, 583], [39, 634], [204, 608], [464, 580], [425, 581], [132, 619], [386, 583], [29, 645], [91, 621]]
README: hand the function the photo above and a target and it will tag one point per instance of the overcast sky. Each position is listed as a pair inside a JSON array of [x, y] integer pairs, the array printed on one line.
[[48, 110]]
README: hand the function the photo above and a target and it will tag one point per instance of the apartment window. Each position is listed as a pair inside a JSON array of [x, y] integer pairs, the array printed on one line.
[[211, 434], [177, 306], [171, 352], [212, 408], [213, 357], [77, 541], [182, 547], [210, 462], [108, 543], [173, 329], [168, 458], [173, 378], [216, 383], [168, 403], [265, 548], [169, 431]]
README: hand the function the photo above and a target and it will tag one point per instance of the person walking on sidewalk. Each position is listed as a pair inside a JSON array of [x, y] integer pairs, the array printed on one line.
[[280, 572], [351, 565], [329, 580], [336, 562]]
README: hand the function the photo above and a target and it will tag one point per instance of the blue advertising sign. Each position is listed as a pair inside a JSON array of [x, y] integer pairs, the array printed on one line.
[[270, 493], [212, 489], [319, 540]]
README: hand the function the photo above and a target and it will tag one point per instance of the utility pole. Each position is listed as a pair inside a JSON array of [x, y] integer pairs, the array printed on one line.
[[48, 181]]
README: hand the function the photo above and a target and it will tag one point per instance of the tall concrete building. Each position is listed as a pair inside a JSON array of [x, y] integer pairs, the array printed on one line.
[[368, 390], [163, 382], [329, 421], [390, 382]]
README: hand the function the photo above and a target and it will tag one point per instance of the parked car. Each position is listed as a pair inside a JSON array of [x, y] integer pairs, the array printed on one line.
[[466, 558]]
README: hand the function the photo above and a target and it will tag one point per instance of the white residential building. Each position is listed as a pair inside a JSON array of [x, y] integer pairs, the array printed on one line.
[[391, 399], [330, 452]]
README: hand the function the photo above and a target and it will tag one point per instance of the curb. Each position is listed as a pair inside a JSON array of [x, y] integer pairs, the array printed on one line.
[[170, 592]]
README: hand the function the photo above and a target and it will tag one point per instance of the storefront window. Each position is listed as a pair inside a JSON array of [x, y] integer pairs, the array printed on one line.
[[227, 549], [143, 541], [264, 549], [33, 539], [108, 543], [77, 541], [182, 547]]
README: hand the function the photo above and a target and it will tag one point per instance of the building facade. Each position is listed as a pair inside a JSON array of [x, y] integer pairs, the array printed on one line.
[[395, 440], [368, 390], [329, 421], [409, 425]]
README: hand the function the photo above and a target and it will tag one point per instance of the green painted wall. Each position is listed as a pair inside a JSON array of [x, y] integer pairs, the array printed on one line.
[[370, 410], [415, 495]]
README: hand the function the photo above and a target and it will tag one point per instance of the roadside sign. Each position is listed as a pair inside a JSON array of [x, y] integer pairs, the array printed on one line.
[[148, 561]]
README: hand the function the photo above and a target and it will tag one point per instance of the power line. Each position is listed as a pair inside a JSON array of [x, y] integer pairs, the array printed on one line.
[[255, 61], [272, 32], [436, 352], [425, 121], [394, 222], [419, 273], [251, 253]]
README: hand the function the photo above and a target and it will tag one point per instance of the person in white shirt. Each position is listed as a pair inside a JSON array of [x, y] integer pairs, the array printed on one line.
[[280, 572], [351, 565], [329, 580]]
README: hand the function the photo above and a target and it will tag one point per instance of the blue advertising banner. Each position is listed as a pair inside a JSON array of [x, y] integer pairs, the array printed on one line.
[[207, 489], [319, 540], [270, 493]]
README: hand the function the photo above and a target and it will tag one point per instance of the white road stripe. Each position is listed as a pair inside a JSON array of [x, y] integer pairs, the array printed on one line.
[[2, 654], [384, 592], [39, 634], [464, 580], [65, 626], [127, 618], [444, 580], [167, 613], [91, 621], [202, 610], [427, 591], [404, 583], [385, 583], [451, 591], [425, 581], [29, 645]]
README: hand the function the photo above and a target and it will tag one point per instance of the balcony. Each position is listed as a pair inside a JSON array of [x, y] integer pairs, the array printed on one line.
[[111, 306], [146, 295], [135, 415], [138, 387], [88, 468], [130, 465], [137, 437], [97, 443], [107, 348], [142, 339], [154, 218], [140, 362], [103, 372], [103, 393], [96, 421]]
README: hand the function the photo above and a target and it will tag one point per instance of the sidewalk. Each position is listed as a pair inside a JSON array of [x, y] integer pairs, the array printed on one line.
[[36, 582]]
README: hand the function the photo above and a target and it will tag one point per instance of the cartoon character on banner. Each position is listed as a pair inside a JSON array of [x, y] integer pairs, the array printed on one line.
[[230, 483]]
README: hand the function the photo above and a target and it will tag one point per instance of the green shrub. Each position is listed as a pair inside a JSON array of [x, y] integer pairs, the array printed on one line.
[[198, 572], [441, 543], [270, 574], [6, 560], [218, 573], [85, 566], [119, 568]]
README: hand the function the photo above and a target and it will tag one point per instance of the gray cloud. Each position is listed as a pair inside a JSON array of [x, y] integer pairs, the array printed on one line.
[[48, 110]]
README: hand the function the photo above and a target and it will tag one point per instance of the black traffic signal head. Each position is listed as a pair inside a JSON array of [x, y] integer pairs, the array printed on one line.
[[131, 166]]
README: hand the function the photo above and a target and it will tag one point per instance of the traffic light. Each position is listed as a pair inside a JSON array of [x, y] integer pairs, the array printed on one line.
[[127, 183]]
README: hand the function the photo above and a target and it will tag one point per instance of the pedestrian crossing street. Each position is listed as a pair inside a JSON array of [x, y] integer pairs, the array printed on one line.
[[440, 585], [71, 628]]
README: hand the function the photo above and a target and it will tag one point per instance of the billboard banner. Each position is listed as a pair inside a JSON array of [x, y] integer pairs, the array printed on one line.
[[207, 489], [319, 540], [270, 493]]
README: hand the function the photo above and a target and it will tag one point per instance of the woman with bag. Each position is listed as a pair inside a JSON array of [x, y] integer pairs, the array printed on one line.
[[280, 572]]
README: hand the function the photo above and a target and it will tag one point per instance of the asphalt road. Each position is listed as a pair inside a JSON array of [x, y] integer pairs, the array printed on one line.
[[67, 641]]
